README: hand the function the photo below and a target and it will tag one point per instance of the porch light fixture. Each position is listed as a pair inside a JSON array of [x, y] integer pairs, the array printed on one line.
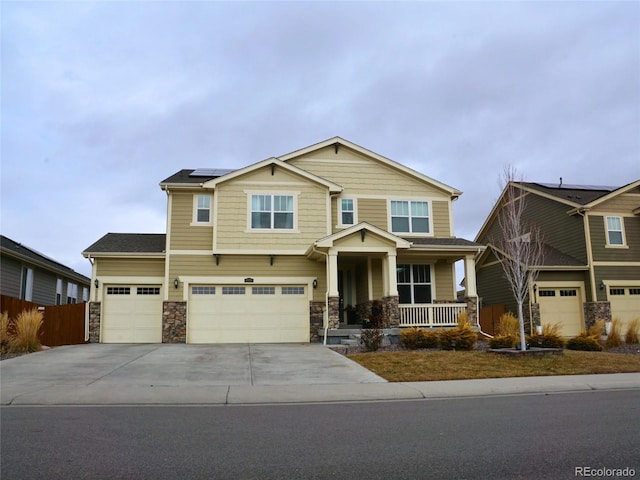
[[217, 255], [363, 233], [315, 283], [602, 285], [271, 259], [176, 282], [96, 283]]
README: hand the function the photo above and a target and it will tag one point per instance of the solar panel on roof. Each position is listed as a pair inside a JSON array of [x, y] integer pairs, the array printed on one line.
[[210, 172]]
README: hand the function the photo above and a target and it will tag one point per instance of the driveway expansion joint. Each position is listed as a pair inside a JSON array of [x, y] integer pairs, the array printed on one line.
[[122, 366]]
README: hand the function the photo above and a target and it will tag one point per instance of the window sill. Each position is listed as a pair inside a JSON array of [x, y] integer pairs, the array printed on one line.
[[201, 224], [271, 230], [617, 246]]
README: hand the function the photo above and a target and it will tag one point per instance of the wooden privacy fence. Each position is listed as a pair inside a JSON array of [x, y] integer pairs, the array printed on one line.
[[489, 317], [62, 324]]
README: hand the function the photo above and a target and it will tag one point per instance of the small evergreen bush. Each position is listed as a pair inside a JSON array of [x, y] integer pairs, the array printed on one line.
[[371, 339], [411, 338], [463, 319], [430, 339], [584, 342], [614, 339], [502, 341], [458, 338], [631, 335]]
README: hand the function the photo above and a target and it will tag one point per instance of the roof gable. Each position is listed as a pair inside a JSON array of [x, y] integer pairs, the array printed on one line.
[[274, 163], [330, 240], [338, 142]]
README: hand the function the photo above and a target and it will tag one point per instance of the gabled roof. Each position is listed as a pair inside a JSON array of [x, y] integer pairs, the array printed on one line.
[[128, 243], [329, 240], [578, 197], [15, 249], [338, 141], [274, 162], [445, 242], [552, 258]]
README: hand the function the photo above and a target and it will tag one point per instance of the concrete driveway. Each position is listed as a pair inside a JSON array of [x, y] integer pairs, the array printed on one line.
[[95, 373]]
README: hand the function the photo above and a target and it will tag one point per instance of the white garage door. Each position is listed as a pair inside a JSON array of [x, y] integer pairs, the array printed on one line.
[[625, 304], [248, 314], [562, 306], [132, 314]]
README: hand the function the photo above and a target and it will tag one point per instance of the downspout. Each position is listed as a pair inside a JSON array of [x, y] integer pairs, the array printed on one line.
[[86, 306], [587, 239], [325, 317]]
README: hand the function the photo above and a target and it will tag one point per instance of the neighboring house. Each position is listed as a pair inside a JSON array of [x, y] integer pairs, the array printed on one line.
[[281, 249], [30, 275], [591, 267]]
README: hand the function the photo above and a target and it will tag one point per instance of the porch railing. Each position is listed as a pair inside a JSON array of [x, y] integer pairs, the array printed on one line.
[[431, 314]]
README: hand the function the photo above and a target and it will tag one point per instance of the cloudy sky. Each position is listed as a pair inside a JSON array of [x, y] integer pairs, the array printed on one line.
[[103, 100]]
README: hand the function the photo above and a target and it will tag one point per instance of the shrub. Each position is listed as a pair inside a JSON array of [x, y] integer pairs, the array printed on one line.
[[458, 338], [411, 338], [614, 339], [596, 330], [508, 325], [4, 332], [631, 336], [430, 339], [371, 339], [549, 338], [502, 341], [27, 331], [584, 342]]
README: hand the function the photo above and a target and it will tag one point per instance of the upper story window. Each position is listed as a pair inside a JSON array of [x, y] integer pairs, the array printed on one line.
[[409, 217], [59, 291], [272, 212], [347, 211], [72, 293], [202, 209], [26, 292], [615, 231]]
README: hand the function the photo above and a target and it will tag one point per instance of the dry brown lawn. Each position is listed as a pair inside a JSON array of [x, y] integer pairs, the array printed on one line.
[[418, 366]]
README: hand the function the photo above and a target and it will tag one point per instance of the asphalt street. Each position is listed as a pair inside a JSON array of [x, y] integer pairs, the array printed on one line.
[[536, 436]]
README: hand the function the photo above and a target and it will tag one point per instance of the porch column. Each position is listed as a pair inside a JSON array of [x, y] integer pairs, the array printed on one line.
[[332, 274], [391, 277], [470, 276]]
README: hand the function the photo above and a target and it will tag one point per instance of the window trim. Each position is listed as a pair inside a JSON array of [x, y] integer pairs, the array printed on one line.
[[26, 288], [410, 216], [607, 238], [194, 219], [412, 284], [271, 193], [340, 223]]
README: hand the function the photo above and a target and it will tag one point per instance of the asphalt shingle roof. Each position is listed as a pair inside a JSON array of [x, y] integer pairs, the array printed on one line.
[[444, 242], [580, 194], [129, 243], [28, 253], [555, 258]]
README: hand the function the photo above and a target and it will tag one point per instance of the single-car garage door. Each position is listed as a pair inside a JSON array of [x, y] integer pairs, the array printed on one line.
[[562, 306], [248, 314], [625, 304], [132, 314]]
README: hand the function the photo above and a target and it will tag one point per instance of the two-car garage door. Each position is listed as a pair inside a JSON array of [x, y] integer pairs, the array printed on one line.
[[247, 314]]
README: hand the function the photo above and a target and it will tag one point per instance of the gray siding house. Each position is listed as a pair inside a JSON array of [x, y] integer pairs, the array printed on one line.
[[591, 267], [32, 276]]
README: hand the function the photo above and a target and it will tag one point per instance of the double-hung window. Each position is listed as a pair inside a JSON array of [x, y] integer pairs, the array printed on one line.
[[272, 212], [414, 283], [203, 209], [347, 211], [409, 216], [615, 232]]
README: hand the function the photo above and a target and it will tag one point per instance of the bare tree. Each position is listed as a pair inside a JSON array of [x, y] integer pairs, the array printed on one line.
[[519, 245]]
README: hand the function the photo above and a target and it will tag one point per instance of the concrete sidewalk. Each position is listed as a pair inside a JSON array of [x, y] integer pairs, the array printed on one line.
[[240, 375]]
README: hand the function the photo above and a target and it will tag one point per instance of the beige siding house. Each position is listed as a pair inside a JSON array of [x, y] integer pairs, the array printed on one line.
[[289, 249], [591, 267]]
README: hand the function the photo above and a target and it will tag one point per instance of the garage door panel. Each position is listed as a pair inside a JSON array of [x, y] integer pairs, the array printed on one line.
[[247, 314], [132, 314], [625, 304], [561, 306]]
